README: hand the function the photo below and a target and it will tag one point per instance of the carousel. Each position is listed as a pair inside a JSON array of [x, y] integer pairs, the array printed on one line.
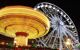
[[23, 23]]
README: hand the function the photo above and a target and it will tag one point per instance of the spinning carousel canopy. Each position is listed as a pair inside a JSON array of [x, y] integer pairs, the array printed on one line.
[[23, 19]]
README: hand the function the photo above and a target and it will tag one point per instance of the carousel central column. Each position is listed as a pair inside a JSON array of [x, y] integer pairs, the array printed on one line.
[[21, 39]]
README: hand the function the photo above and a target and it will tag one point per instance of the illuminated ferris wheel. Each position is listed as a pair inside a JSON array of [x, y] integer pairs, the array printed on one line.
[[62, 31]]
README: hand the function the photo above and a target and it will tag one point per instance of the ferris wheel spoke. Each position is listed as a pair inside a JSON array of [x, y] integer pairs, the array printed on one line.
[[70, 26], [70, 34], [54, 40], [63, 41], [44, 10], [65, 21], [60, 45], [53, 25], [49, 41], [43, 43], [64, 32], [61, 18], [50, 35], [51, 16], [47, 11], [48, 38], [60, 37]]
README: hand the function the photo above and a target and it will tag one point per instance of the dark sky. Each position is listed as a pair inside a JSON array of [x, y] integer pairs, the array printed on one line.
[[71, 7]]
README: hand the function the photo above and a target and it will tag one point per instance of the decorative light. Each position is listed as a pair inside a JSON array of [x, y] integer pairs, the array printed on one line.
[[68, 42], [16, 45], [14, 41], [2, 43], [6, 43]]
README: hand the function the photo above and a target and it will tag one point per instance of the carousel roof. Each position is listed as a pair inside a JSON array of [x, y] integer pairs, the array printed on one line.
[[23, 19]]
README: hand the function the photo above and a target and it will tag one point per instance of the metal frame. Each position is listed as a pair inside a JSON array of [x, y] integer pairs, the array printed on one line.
[[62, 27]]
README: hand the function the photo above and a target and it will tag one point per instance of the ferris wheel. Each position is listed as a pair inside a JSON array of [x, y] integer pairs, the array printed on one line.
[[62, 28]]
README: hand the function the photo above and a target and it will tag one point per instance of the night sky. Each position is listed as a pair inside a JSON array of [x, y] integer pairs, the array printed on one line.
[[72, 8]]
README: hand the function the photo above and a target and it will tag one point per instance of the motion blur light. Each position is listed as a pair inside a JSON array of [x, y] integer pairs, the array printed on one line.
[[23, 23]]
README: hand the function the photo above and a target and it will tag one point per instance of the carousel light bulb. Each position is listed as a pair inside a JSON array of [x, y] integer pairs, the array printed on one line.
[[2, 43], [14, 41]]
